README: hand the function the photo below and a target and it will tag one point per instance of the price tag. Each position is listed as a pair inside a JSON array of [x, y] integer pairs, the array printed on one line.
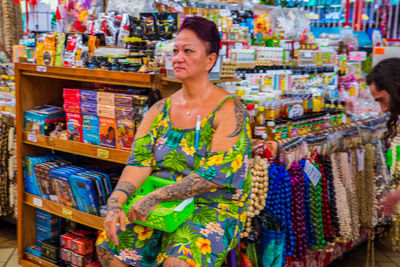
[[37, 202], [67, 212], [32, 138], [41, 68], [312, 172], [225, 13], [360, 159], [103, 153]]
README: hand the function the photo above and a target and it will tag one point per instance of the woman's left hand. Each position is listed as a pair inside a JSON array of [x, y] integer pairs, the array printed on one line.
[[142, 208]]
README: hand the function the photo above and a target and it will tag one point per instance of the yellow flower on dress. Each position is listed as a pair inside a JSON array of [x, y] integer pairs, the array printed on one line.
[[237, 163], [202, 162], [184, 251], [143, 232], [147, 162], [215, 160], [224, 206], [189, 150], [102, 237], [192, 263], [204, 245], [164, 123], [243, 216], [183, 142], [214, 190], [161, 257]]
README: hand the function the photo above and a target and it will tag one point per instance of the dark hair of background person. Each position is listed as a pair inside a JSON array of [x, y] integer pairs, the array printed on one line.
[[386, 76], [205, 30]]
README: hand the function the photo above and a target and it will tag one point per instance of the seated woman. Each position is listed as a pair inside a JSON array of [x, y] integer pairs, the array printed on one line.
[[215, 173]]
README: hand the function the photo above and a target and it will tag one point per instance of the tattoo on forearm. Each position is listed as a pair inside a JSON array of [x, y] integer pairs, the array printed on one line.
[[190, 186], [239, 115], [113, 211], [125, 187], [104, 256], [112, 200]]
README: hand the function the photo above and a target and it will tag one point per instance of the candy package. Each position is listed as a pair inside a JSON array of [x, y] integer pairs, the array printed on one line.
[[124, 30], [40, 39], [73, 42], [59, 49], [148, 21], [166, 25], [49, 49]]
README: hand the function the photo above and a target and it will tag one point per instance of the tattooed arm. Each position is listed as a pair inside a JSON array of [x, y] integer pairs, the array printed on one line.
[[131, 178], [226, 135]]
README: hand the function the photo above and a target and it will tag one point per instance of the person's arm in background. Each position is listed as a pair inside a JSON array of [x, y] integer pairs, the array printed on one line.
[[225, 137], [390, 201], [131, 179]]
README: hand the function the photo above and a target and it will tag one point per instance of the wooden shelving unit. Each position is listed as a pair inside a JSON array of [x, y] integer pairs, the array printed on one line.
[[87, 150], [38, 85]]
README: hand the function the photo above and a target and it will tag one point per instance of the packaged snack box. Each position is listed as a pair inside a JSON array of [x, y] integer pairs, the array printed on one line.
[[108, 132], [74, 127], [91, 129], [125, 134]]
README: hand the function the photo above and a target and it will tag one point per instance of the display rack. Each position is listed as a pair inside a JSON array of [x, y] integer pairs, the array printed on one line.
[[38, 85]]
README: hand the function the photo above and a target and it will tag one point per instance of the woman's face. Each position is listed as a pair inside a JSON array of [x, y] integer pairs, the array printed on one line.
[[190, 57], [382, 97]]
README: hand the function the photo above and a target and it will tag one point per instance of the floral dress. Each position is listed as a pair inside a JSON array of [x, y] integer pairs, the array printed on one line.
[[214, 228]]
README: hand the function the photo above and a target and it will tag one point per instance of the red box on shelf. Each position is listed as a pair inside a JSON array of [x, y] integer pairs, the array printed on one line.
[[72, 95], [72, 107], [82, 246], [66, 240]]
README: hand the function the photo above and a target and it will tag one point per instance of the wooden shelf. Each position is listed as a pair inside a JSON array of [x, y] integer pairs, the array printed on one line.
[[35, 261], [87, 150], [174, 80], [86, 75], [63, 211]]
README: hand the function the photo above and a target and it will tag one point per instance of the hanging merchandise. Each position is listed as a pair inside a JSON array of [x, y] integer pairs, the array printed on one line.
[[318, 192]]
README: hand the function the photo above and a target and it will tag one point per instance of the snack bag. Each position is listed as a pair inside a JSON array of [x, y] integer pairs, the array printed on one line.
[[40, 39], [148, 26], [124, 31], [59, 49], [49, 49], [73, 41], [166, 25]]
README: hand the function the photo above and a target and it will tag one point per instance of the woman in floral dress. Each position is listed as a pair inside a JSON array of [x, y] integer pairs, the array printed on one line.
[[215, 172]]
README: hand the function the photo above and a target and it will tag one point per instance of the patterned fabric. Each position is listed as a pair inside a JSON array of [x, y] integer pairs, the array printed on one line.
[[213, 229]]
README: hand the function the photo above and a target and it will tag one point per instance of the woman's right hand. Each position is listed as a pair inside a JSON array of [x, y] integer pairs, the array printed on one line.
[[115, 215]]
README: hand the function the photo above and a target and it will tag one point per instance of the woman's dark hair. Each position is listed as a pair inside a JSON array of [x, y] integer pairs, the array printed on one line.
[[205, 30], [386, 76]]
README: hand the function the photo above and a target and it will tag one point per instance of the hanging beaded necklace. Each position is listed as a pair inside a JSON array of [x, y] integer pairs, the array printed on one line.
[[297, 210], [310, 236]]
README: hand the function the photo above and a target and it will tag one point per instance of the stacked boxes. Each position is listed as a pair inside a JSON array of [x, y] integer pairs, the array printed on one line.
[[72, 186], [77, 249], [47, 226], [106, 118]]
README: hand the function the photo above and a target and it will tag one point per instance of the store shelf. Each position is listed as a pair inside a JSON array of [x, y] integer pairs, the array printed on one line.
[[86, 75], [87, 150], [63, 211], [35, 261], [174, 80]]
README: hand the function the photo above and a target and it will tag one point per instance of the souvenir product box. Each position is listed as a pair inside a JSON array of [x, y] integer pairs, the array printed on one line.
[[91, 129], [89, 96], [38, 119], [108, 132], [31, 182], [74, 127], [105, 98], [72, 95], [82, 246], [51, 249], [62, 184], [84, 191], [123, 100], [89, 108], [72, 107], [125, 134], [80, 260], [42, 172], [124, 113], [106, 111], [66, 240]]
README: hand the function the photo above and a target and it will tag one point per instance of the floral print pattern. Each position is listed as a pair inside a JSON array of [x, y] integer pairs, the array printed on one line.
[[214, 228]]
